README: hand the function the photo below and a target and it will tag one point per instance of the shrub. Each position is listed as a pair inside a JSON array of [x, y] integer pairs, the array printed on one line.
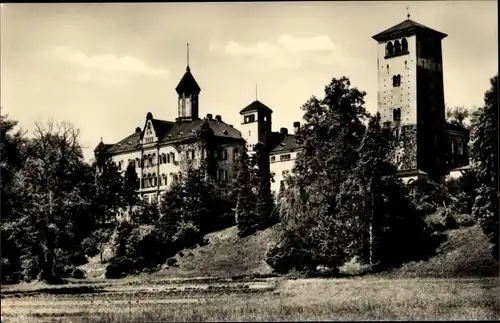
[[464, 220], [171, 262], [441, 220], [426, 208], [78, 273], [354, 267]]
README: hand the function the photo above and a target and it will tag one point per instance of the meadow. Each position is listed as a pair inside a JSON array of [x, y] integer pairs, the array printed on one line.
[[457, 284]]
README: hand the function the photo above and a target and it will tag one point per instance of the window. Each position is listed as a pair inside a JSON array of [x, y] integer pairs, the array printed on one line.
[[404, 45], [460, 148], [235, 154], [119, 165], [396, 80], [453, 144], [273, 158], [168, 158], [387, 68], [396, 114], [224, 154], [249, 118], [192, 154], [164, 158], [285, 157], [389, 49], [397, 47]]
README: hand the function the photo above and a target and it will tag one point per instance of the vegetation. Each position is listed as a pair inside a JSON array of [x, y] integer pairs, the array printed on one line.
[[344, 199], [343, 203], [484, 153]]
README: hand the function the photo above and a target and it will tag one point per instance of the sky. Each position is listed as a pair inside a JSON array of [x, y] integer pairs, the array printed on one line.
[[103, 67]]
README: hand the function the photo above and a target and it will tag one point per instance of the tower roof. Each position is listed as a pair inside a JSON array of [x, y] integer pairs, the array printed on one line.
[[256, 105], [187, 84], [406, 28]]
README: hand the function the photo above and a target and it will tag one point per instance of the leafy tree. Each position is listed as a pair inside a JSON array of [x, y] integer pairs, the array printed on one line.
[[313, 229], [459, 116], [484, 153], [130, 186], [50, 188]]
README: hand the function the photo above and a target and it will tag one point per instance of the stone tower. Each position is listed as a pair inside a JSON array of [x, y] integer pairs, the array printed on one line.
[[411, 97], [188, 91]]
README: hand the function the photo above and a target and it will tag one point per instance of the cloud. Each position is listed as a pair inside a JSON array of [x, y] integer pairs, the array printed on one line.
[[285, 52], [106, 68]]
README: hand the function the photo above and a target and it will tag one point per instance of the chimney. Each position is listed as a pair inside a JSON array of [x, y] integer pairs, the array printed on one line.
[[284, 131], [218, 118], [209, 116], [137, 130], [231, 126], [296, 126]]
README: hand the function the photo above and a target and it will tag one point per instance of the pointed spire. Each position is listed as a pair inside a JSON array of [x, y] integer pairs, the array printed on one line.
[[408, 12], [256, 98], [187, 68]]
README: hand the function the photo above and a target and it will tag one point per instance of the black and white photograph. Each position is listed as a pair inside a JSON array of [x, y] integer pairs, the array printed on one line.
[[249, 161]]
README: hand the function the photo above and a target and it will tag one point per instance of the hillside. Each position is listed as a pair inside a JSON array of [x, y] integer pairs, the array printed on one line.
[[225, 255], [464, 254]]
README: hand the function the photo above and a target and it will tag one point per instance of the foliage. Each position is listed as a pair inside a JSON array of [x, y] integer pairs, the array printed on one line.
[[484, 153], [255, 202], [344, 200], [464, 190], [459, 116]]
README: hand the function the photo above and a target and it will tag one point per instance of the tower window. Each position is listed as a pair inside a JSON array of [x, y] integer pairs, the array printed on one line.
[[250, 118], [397, 47], [396, 80], [387, 68], [396, 114], [389, 50], [404, 45]]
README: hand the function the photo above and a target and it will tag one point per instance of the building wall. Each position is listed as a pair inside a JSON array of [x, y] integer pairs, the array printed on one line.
[[403, 96], [279, 165], [173, 168]]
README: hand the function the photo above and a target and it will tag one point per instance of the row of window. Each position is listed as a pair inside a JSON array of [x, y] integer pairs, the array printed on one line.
[[151, 180], [396, 47], [283, 157], [170, 158]]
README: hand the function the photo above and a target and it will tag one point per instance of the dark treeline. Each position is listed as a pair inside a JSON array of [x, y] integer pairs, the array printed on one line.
[[342, 201]]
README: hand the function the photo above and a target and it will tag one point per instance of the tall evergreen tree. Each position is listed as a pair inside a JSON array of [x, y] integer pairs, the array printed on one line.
[[484, 153]]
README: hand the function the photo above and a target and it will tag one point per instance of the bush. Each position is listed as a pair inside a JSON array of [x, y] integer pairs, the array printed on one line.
[[78, 273], [464, 220], [354, 267], [119, 268], [426, 208], [171, 262], [441, 220]]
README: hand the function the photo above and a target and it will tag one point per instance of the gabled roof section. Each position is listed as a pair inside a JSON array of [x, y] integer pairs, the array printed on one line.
[[256, 106], [130, 142], [288, 143], [188, 84], [168, 131], [406, 28]]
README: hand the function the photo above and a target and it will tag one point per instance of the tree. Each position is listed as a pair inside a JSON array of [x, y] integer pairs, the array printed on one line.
[[245, 212], [110, 196], [51, 197], [313, 229], [484, 153], [130, 186], [459, 116]]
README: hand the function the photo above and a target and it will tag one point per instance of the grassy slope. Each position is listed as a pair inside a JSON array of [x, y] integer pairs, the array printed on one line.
[[225, 255], [465, 254]]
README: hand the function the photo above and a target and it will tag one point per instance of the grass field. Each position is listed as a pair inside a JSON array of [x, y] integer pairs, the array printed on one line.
[[455, 284], [311, 299]]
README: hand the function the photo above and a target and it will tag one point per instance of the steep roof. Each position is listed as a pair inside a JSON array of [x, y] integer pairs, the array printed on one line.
[[405, 28], [188, 84], [288, 143], [256, 105], [168, 131]]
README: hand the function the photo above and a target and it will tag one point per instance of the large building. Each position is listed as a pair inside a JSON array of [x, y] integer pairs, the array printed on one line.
[[410, 96]]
